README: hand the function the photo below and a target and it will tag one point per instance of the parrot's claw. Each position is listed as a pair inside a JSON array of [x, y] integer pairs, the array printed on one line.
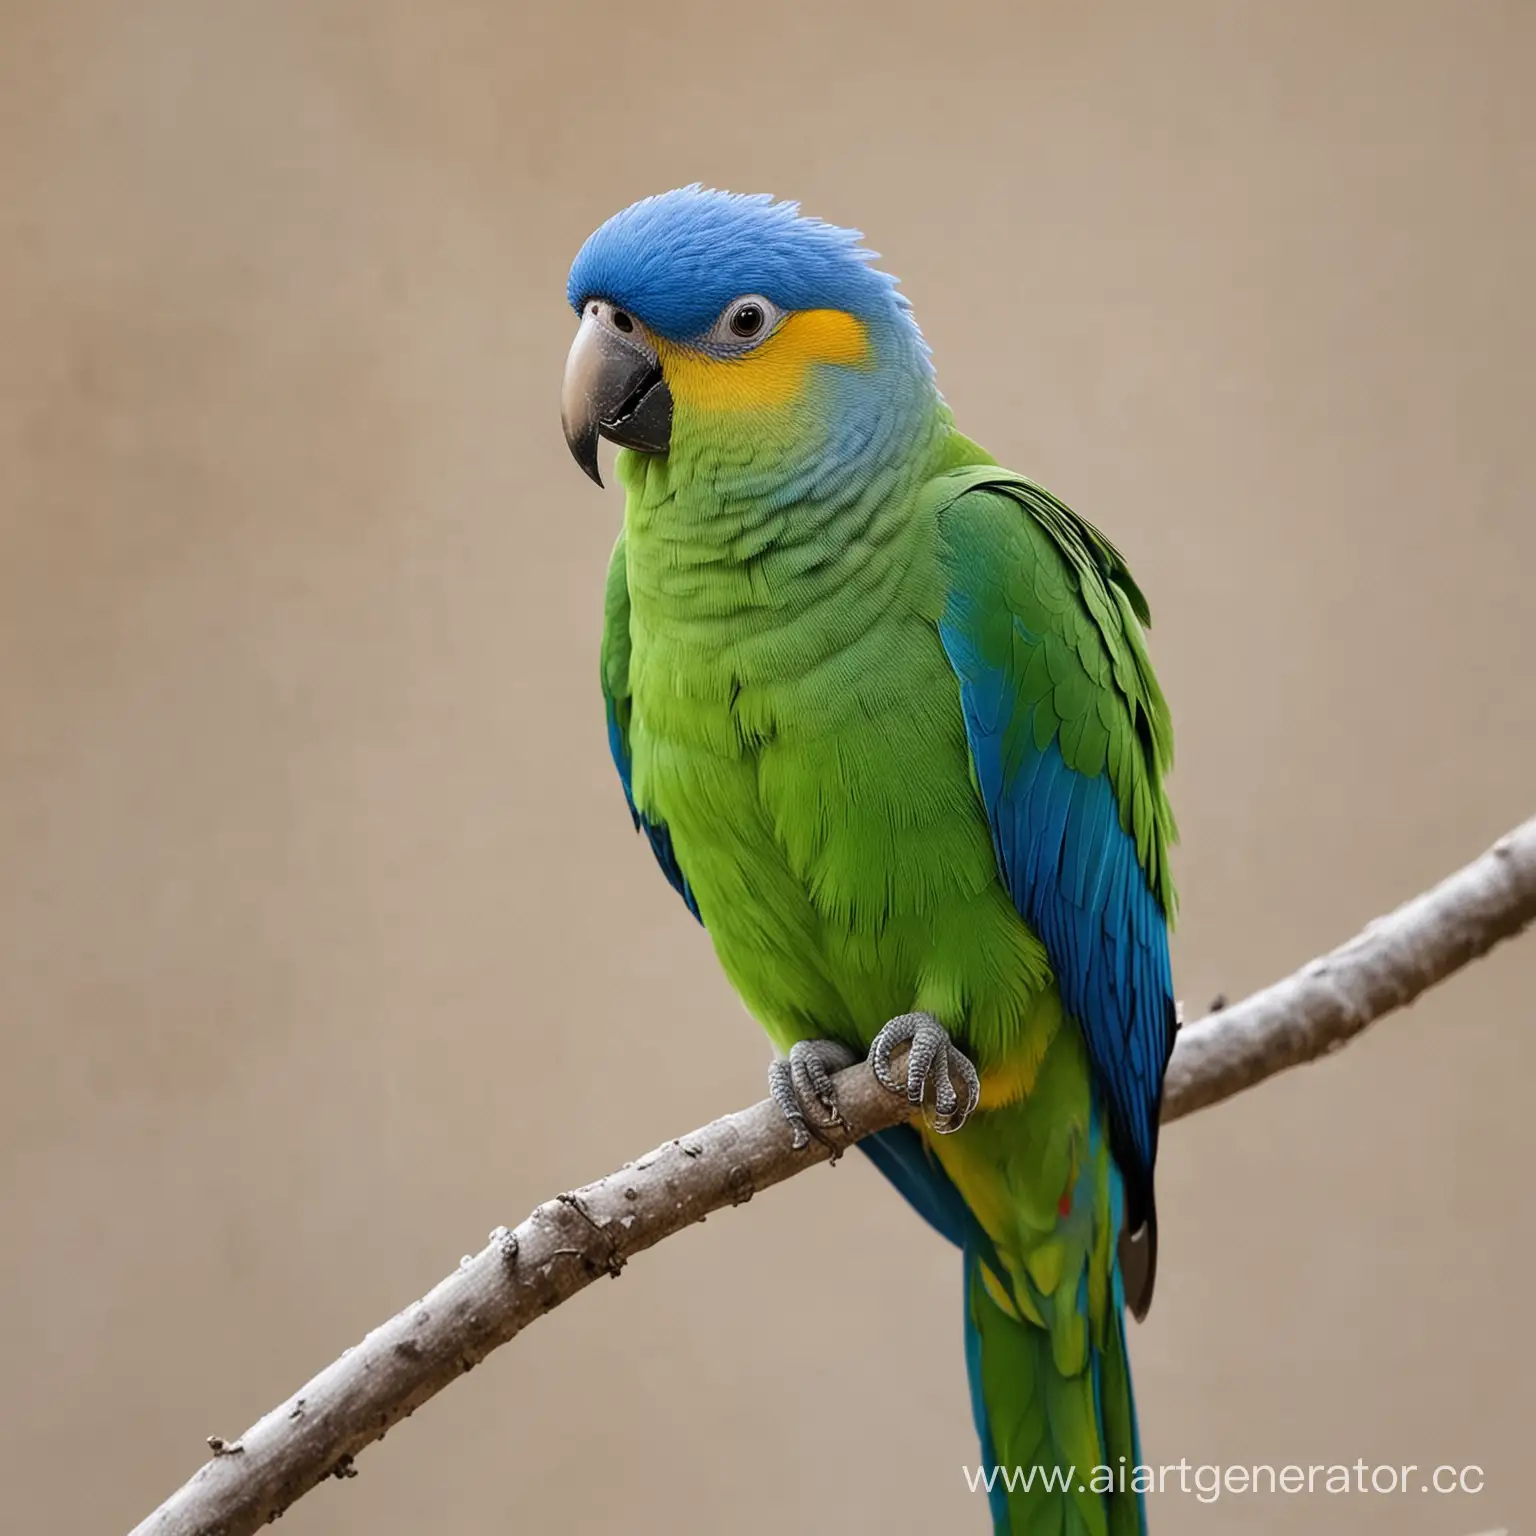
[[801, 1085], [933, 1062]]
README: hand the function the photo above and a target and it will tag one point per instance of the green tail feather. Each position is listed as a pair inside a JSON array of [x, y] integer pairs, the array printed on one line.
[[1049, 1430]]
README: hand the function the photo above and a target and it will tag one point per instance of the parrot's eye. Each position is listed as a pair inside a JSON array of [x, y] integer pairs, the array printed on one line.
[[747, 319], [743, 323]]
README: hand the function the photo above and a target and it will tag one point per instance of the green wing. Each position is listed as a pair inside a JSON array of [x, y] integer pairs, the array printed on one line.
[[1070, 739]]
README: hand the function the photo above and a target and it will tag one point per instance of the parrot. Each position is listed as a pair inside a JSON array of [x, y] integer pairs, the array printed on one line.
[[884, 711]]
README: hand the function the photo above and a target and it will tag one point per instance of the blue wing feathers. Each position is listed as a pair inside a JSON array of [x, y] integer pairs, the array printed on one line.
[[1074, 874]]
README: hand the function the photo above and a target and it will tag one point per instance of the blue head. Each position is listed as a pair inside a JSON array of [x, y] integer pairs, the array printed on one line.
[[729, 330]]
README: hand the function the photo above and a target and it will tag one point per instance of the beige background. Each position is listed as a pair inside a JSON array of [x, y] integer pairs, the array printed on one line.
[[324, 943]]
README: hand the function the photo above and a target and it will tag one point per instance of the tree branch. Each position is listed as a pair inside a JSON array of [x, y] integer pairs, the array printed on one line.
[[573, 1239]]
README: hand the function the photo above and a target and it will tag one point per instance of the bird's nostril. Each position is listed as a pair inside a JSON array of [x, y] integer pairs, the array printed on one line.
[[623, 321]]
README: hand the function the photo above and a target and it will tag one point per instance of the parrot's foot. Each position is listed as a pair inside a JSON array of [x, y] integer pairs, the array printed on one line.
[[802, 1086], [933, 1062]]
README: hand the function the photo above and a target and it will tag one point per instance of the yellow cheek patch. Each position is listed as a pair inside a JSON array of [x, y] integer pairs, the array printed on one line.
[[772, 374]]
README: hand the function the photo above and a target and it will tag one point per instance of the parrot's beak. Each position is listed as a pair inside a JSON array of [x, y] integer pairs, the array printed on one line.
[[613, 387]]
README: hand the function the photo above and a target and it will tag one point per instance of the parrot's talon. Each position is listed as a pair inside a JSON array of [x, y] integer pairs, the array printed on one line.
[[802, 1087], [781, 1091], [933, 1060]]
